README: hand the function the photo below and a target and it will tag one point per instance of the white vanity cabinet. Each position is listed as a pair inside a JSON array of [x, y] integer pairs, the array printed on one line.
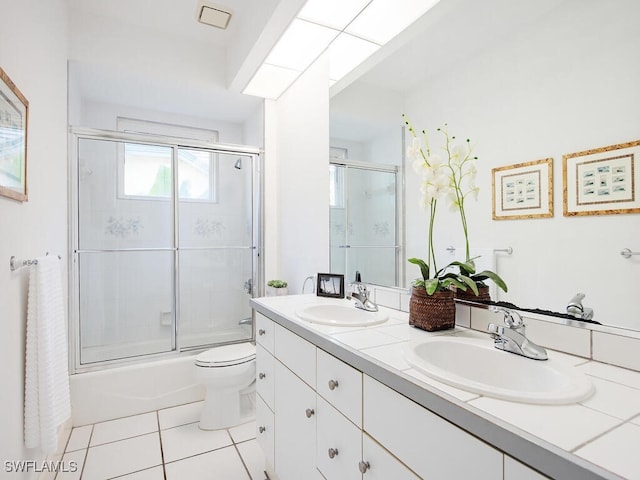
[[426, 443], [323, 419]]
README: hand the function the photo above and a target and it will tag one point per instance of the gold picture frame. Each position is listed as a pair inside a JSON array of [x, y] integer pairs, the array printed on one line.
[[523, 190], [14, 115], [602, 181]]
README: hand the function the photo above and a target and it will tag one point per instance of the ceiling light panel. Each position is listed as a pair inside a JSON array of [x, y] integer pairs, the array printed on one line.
[[347, 52], [332, 13], [300, 45], [270, 81], [384, 19]]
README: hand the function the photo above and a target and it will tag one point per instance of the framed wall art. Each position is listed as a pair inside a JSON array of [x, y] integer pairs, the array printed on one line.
[[14, 113], [523, 190], [330, 285], [602, 181]]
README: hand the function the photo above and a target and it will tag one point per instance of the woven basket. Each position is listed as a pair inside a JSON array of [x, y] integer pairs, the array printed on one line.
[[483, 294], [432, 312]]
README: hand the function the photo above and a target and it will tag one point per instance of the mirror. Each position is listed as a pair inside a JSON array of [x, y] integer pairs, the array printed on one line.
[[524, 81]]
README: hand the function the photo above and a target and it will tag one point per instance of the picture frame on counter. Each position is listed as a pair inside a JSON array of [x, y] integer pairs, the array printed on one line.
[[330, 285]]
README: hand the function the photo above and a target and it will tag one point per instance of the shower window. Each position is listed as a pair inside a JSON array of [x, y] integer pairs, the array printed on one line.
[[163, 276]]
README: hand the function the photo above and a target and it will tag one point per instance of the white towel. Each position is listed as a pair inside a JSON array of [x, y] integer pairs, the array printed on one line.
[[47, 402]]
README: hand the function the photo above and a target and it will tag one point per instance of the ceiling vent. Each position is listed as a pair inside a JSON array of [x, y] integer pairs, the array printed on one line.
[[213, 15]]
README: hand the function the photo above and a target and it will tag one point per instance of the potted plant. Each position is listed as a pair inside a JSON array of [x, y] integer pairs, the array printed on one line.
[[276, 288], [432, 305]]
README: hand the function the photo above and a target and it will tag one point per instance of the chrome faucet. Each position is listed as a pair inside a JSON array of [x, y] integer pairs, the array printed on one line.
[[576, 309], [360, 294], [512, 338]]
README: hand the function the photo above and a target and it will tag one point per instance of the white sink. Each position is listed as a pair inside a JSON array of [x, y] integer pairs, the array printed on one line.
[[476, 366], [340, 315]]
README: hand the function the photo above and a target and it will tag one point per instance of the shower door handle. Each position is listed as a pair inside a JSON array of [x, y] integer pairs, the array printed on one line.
[[248, 286]]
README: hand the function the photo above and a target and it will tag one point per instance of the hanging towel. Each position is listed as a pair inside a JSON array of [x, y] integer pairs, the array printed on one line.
[[47, 402]]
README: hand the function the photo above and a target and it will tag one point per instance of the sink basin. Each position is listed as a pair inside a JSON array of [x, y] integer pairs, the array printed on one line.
[[340, 315], [476, 366]]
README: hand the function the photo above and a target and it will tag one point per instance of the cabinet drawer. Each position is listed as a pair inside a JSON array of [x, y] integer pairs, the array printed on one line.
[[296, 353], [341, 385], [381, 465], [265, 375], [339, 449], [265, 332], [426, 443], [265, 430]]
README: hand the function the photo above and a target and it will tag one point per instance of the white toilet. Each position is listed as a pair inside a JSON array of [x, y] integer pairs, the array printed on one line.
[[224, 371]]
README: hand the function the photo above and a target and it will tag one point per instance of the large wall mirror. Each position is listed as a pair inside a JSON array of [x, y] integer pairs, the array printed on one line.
[[524, 81]]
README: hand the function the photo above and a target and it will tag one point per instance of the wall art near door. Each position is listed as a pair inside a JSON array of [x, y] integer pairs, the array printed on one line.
[[523, 190], [602, 181], [14, 110]]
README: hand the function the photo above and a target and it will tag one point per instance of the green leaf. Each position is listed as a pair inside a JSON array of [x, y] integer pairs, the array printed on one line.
[[454, 281], [488, 274], [472, 285], [431, 285], [424, 268], [466, 268]]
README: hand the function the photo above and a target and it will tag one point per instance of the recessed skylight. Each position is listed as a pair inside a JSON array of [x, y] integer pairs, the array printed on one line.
[[333, 13]]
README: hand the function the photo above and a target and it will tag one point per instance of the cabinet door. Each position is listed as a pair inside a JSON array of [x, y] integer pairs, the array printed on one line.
[[514, 470], [265, 332], [295, 430], [265, 375], [426, 443], [296, 353], [379, 464], [341, 385], [339, 444], [265, 430]]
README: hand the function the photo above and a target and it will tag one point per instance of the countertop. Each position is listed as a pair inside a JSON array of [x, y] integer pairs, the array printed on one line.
[[594, 439]]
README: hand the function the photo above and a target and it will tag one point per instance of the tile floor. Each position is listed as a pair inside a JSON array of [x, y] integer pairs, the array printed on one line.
[[163, 445]]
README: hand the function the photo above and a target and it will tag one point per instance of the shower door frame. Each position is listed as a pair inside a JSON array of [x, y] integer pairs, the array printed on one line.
[[76, 134], [398, 171]]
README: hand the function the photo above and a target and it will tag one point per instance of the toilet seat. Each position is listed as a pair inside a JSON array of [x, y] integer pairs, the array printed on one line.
[[227, 355]]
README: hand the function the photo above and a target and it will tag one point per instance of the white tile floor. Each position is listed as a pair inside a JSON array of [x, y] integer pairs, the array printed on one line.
[[163, 445]]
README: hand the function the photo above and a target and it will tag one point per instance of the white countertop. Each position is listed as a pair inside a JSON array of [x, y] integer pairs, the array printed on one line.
[[603, 429]]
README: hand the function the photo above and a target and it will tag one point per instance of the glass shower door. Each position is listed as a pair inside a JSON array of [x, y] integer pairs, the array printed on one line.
[[125, 250], [364, 233], [216, 247]]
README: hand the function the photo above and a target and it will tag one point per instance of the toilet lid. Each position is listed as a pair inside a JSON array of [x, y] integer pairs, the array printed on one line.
[[227, 355]]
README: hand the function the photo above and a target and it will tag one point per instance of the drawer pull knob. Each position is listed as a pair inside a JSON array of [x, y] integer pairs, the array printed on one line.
[[261, 375], [333, 452], [310, 412], [261, 429], [261, 332], [363, 467], [333, 384]]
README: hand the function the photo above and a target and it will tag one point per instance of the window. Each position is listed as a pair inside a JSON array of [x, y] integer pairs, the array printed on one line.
[[145, 170], [336, 186]]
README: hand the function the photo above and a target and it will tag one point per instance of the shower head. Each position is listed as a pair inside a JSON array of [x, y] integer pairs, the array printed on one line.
[[238, 164]]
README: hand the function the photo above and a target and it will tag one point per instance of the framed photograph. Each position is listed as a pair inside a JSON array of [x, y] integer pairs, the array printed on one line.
[[14, 112], [603, 181], [330, 285], [524, 190]]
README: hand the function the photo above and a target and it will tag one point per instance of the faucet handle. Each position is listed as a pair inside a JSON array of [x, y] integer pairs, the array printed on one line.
[[512, 318]]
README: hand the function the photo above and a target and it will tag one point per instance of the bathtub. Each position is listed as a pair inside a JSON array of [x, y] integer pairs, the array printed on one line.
[[129, 390]]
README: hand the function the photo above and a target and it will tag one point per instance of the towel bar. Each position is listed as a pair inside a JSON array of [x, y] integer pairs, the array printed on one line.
[[16, 263]]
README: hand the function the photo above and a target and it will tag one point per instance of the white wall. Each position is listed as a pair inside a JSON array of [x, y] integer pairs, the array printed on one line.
[[297, 176], [566, 84], [33, 53]]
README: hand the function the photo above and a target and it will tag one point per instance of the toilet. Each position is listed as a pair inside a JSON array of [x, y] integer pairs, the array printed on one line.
[[224, 371]]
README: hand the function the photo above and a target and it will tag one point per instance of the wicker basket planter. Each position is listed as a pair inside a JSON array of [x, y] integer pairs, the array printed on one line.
[[432, 312], [483, 294]]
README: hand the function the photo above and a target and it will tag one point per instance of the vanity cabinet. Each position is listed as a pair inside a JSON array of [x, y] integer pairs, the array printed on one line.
[[329, 421]]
